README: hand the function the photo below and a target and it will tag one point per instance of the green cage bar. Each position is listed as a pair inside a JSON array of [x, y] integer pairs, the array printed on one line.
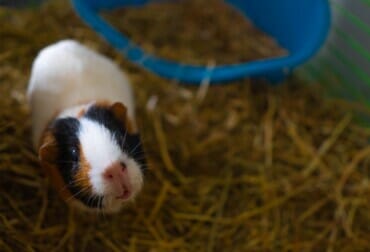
[[343, 65]]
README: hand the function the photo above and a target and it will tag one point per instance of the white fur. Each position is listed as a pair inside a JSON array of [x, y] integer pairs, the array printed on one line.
[[74, 111], [101, 150], [67, 74]]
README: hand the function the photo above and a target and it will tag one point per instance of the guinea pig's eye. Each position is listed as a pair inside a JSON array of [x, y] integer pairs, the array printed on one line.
[[74, 153]]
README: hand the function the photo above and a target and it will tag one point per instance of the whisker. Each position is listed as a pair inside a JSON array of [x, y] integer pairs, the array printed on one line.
[[98, 210], [89, 200], [99, 200], [74, 195], [141, 160], [144, 168], [138, 144], [55, 144], [101, 208], [123, 139], [138, 152], [74, 164], [71, 183], [67, 161], [76, 181]]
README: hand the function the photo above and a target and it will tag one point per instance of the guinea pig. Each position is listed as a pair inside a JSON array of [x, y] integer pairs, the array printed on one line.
[[83, 127]]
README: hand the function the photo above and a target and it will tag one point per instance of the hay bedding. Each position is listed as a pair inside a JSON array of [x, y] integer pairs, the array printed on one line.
[[246, 168], [195, 32]]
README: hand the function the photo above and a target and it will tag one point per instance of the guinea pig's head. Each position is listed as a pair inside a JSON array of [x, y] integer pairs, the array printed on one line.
[[95, 159]]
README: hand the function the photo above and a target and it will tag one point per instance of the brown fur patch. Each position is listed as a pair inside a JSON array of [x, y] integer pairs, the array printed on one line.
[[47, 156], [81, 113], [82, 176]]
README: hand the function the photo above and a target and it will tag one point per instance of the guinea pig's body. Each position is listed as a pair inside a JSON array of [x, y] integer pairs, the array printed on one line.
[[83, 126], [67, 74]]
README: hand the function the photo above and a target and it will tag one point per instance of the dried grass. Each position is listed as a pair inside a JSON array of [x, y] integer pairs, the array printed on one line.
[[249, 168]]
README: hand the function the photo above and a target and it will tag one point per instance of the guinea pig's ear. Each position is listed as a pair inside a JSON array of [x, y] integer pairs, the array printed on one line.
[[48, 150], [120, 112]]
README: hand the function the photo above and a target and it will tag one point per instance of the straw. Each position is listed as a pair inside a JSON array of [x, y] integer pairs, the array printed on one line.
[[238, 167]]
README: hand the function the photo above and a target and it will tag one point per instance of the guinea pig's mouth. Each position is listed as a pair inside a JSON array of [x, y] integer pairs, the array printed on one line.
[[125, 195]]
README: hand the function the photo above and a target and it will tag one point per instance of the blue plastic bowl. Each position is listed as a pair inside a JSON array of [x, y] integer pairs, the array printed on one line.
[[300, 26]]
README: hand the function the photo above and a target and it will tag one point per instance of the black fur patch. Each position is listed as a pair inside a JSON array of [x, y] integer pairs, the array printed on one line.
[[65, 131], [129, 143]]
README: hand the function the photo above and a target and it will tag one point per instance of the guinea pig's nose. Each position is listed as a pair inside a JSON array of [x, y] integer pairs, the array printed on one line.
[[117, 175], [115, 170]]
